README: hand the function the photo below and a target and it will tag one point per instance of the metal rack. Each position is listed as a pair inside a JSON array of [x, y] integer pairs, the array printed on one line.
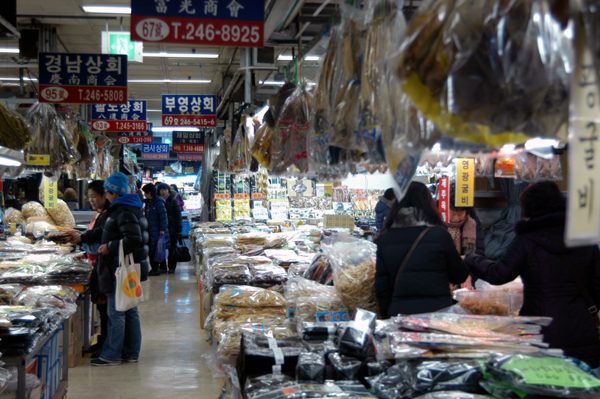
[[7, 30]]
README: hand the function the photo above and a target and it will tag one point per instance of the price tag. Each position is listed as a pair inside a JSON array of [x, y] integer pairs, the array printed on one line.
[[222, 196], [241, 196], [35, 159], [257, 196]]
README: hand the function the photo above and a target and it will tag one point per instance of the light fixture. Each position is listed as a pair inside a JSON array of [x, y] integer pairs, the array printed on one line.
[[154, 110], [170, 129], [261, 114], [107, 9], [9, 50], [284, 57], [168, 81], [271, 82], [181, 55], [10, 157], [17, 79]]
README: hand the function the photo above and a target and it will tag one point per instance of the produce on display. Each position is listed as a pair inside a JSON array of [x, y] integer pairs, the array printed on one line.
[[14, 132]]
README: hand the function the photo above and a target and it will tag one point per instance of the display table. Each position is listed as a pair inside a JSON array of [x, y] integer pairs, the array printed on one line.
[[20, 362]]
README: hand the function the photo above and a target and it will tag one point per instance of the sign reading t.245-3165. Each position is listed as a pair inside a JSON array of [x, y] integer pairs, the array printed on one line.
[[238, 23]]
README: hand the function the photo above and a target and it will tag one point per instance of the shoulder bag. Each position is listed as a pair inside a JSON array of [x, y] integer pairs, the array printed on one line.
[[408, 255], [129, 292], [182, 252]]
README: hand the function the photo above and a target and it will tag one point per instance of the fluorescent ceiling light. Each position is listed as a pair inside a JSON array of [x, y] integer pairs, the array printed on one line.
[[107, 9], [175, 128], [271, 82], [261, 114], [9, 50], [154, 110], [181, 55], [283, 57], [4, 161], [17, 79], [168, 81]]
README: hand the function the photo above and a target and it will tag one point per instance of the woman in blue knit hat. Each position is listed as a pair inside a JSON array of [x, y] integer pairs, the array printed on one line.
[[125, 222]]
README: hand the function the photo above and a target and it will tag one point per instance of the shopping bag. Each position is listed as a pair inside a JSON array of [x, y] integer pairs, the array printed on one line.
[[161, 249], [129, 292], [182, 252]]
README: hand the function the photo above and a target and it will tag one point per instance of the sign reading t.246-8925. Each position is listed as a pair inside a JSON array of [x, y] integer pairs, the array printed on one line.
[[238, 23], [83, 78]]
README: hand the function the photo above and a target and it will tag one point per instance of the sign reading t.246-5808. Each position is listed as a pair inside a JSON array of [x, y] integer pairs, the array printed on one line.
[[238, 23], [83, 78]]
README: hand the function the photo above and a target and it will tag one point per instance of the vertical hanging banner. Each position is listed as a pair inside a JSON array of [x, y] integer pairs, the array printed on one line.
[[238, 23], [83, 78], [130, 117], [189, 142], [121, 43], [189, 110], [444, 202], [465, 182], [50, 194], [583, 214]]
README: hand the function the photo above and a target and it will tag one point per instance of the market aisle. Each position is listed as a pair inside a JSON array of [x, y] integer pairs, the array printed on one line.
[[170, 364]]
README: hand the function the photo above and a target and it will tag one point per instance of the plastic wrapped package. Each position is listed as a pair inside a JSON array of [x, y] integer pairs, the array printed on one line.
[[264, 385], [60, 297], [14, 132], [550, 169], [311, 367], [320, 308], [385, 27], [266, 276], [452, 395], [231, 274], [356, 338], [251, 239], [74, 273], [211, 242], [240, 156], [346, 111], [25, 274], [14, 216], [320, 270], [33, 209], [345, 368], [485, 302], [261, 148], [519, 86], [230, 337], [245, 296], [353, 261], [376, 367], [9, 292], [526, 167], [297, 287], [524, 376]]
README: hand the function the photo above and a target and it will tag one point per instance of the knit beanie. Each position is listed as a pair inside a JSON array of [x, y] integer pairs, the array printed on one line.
[[117, 183]]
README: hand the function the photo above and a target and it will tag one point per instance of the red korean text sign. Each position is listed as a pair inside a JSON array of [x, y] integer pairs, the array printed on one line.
[[444, 202], [189, 157]]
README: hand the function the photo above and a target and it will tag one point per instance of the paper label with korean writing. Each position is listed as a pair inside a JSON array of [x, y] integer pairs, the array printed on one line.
[[50, 194], [583, 224], [465, 182]]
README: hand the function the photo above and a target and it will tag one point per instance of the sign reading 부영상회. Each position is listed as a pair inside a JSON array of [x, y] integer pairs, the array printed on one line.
[[444, 202], [465, 182], [189, 110], [83, 78], [155, 151], [238, 23], [130, 117], [135, 137]]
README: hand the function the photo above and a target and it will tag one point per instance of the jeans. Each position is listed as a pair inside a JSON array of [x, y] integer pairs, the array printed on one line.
[[124, 338]]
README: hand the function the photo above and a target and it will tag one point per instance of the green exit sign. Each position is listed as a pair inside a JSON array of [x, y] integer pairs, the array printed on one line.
[[120, 43]]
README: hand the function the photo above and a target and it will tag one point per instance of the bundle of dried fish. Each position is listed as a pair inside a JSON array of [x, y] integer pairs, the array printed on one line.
[[386, 27], [261, 149], [222, 161], [346, 118], [478, 88], [14, 133], [302, 103], [240, 157]]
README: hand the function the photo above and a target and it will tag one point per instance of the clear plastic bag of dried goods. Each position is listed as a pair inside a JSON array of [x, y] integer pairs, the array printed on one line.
[[385, 28], [240, 157], [231, 274], [297, 287], [261, 148], [353, 261], [14, 132], [230, 337], [524, 376], [245, 296], [257, 387], [488, 72], [320, 270], [345, 368], [265, 275], [310, 367]]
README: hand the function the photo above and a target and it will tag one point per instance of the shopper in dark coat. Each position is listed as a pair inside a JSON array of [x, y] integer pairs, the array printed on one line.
[[125, 224], [175, 221], [386, 201], [156, 213], [424, 285], [548, 268]]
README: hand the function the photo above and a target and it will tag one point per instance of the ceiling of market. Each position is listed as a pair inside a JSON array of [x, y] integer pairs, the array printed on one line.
[[285, 22]]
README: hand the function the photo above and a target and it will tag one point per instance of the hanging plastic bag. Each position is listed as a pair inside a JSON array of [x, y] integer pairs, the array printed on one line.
[[240, 157], [302, 101], [129, 292], [496, 73], [161, 249]]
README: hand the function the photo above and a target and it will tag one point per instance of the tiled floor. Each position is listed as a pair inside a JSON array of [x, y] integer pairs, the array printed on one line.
[[170, 365]]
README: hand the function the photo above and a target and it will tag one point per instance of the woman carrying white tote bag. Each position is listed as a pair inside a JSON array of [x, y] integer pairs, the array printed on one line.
[[129, 290]]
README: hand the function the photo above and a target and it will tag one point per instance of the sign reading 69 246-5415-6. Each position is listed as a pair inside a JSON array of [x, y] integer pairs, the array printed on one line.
[[83, 78], [238, 23]]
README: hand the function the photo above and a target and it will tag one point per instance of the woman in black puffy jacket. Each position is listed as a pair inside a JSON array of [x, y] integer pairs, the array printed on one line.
[[175, 221], [125, 222]]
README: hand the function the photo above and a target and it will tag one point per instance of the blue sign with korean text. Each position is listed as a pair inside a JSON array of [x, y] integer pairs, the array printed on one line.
[[130, 117], [189, 110], [155, 151], [83, 78]]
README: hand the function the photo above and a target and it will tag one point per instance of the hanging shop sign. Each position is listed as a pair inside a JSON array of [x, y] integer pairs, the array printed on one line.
[[130, 117], [189, 157], [155, 151], [465, 182], [121, 43], [238, 23], [83, 78], [135, 138], [190, 142], [444, 202], [583, 213], [189, 110]]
